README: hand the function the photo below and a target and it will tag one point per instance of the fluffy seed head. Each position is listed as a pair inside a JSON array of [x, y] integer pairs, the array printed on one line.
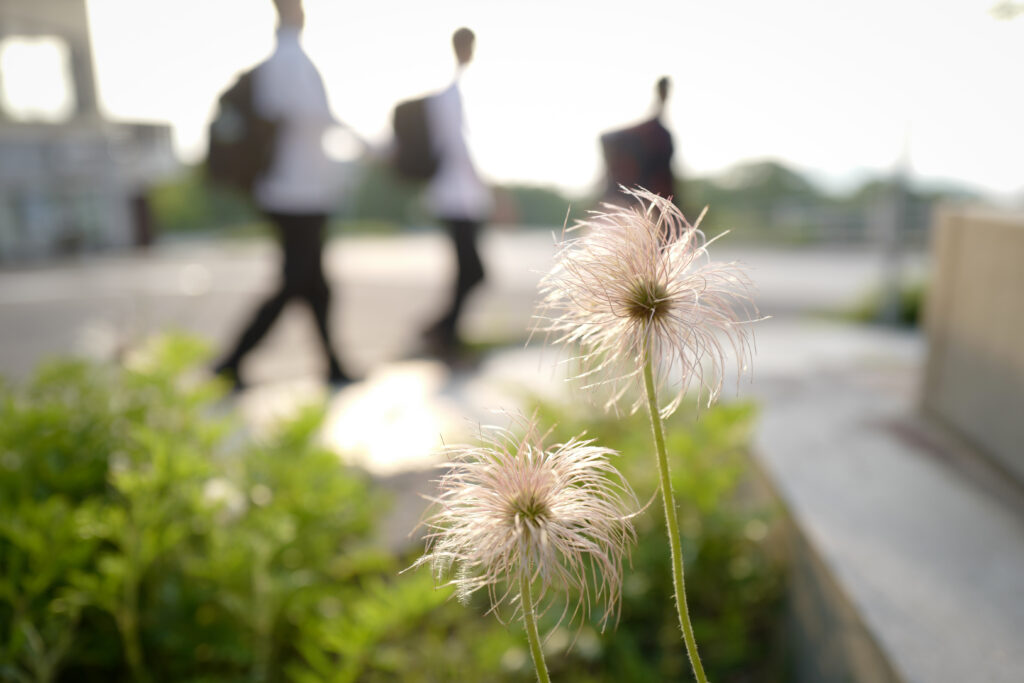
[[511, 508], [636, 282]]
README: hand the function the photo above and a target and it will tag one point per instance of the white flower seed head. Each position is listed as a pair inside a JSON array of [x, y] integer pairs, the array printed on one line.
[[511, 508], [636, 281]]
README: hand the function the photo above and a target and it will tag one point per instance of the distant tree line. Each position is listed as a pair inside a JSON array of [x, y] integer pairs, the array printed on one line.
[[767, 200], [761, 200], [377, 202]]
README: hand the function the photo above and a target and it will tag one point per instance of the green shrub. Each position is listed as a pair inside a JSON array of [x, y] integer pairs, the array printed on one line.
[[909, 309], [189, 202], [733, 575], [144, 538], [137, 543], [734, 583]]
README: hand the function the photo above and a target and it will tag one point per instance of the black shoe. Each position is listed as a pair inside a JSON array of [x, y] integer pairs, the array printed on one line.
[[338, 378], [229, 373], [440, 342]]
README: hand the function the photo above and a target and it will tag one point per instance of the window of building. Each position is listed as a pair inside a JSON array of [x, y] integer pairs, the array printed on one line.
[[36, 82]]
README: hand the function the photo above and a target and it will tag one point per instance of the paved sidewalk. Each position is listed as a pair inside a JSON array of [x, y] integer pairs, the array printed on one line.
[[386, 288], [909, 547]]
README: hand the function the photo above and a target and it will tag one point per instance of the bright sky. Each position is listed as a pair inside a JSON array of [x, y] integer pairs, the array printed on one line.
[[834, 88]]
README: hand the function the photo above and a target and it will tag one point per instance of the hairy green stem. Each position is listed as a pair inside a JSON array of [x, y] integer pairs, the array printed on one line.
[[128, 615], [672, 522], [262, 617], [526, 599]]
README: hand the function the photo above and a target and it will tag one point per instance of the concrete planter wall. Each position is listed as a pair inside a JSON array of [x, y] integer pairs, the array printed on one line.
[[974, 376]]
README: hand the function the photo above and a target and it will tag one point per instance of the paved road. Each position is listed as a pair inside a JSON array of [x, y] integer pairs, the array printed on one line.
[[387, 288]]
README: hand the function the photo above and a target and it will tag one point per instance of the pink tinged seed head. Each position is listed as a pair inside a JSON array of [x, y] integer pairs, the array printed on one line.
[[637, 282], [511, 508]]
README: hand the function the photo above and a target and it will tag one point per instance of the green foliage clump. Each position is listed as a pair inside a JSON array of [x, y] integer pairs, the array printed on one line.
[[733, 573], [909, 308], [144, 536], [734, 583], [137, 543], [191, 203]]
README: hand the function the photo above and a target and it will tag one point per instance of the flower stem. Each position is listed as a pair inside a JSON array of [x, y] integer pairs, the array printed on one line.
[[668, 498], [526, 598]]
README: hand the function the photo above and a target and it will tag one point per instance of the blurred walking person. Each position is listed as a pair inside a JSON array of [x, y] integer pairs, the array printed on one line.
[[641, 155], [457, 196], [297, 192]]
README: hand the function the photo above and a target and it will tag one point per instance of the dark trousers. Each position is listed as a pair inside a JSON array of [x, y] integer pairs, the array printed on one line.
[[302, 244], [469, 272]]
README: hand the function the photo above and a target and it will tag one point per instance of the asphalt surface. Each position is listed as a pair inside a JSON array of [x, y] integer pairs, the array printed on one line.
[[385, 290]]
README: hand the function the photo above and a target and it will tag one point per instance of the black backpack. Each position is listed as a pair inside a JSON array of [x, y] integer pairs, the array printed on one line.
[[241, 142], [414, 157]]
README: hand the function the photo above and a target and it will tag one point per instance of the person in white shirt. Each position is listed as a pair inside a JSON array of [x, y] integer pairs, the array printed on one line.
[[456, 195], [297, 193]]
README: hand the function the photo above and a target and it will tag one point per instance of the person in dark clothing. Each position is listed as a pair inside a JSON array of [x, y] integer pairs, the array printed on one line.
[[470, 273], [457, 195], [297, 192], [302, 239], [641, 156]]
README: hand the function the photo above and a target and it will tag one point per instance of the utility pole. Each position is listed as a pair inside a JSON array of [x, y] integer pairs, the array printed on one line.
[[892, 218]]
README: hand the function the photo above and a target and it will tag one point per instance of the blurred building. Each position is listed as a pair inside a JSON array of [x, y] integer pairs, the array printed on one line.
[[70, 180]]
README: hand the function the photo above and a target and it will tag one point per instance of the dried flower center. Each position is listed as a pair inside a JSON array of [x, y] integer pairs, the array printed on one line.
[[529, 507], [646, 299]]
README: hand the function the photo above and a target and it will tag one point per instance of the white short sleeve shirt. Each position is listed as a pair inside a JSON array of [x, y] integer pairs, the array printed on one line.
[[456, 190], [288, 87]]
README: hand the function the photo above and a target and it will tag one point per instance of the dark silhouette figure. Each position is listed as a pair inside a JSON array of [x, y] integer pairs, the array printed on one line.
[[641, 155], [296, 193], [457, 195]]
